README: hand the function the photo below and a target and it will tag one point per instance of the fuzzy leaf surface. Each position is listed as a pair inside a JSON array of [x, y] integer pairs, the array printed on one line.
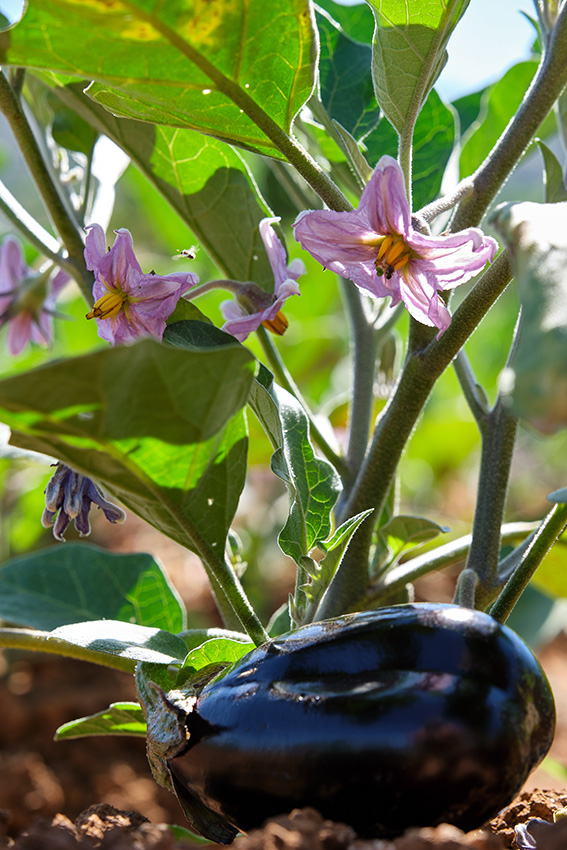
[[127, 640], [409, 52], [120, 718]]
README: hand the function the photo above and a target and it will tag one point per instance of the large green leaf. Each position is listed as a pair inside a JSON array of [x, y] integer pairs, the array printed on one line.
[[313, 483], [162, 429], [433, 141], [204, 180], [409, 52], [217, 67], [77, 582], [345, 79], [356, 20], [126, 640], [499, 104]]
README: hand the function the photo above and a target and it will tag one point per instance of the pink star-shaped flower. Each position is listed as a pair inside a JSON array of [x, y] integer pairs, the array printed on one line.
[[252, 306], [378, 249], [129, 304]]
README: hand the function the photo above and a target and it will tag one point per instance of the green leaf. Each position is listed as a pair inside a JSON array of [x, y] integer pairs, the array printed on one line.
[[535, 382], [433, 140], [206, 182], [345, 79], [126, 640], [468, 109], [163, 430], [70, 130], [307, 597], [212, 657], [356, 20], [409, 52], [500, 103], [120, 718], [77, 582], [553, 180], [313, 483], [221, 68], [407, 532], [194, 638]]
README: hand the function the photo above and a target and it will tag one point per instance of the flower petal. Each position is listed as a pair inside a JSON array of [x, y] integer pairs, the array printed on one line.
[[119, 267], [384, 202], [95, 246]]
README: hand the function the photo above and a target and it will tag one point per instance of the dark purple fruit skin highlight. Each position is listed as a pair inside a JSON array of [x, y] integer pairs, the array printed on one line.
[[411, 715]]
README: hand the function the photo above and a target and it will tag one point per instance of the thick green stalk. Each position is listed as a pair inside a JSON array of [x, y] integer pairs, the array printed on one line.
[[363, 351], [498, 439], [62, 219], [38, 641], [547, 85], [395, 425], [544, 538]]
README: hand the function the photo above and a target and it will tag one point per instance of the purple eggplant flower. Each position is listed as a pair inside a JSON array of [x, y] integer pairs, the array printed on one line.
[[27, 298], [252, 306], [378, 249], [129, 304], [69, 496]]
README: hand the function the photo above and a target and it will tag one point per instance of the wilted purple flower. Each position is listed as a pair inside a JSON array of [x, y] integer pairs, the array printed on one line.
[[252, 306], [27, 298], [71, 495], [129, 304], [378, 249]]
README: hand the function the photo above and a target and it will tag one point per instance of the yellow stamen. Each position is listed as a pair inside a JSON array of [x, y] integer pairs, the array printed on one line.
[[108, 306], [385, 247], [404, 260], [278, 325], [397, 248]]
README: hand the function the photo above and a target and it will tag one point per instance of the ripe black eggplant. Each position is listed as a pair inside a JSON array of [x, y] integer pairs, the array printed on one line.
[[410, 715]]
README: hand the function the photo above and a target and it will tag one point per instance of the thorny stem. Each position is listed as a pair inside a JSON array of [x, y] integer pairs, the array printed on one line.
[[547, 85], [65, 225], [286, 381], [38, 641], [395, 425], [551, 528]]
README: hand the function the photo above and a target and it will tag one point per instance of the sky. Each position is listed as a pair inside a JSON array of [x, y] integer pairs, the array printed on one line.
[[492, 36]]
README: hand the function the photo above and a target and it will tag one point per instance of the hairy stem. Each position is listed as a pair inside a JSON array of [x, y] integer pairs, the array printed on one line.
[[498, 438], [363, 346], [63, 221], [547, 85], [551, 528], [38, 641]]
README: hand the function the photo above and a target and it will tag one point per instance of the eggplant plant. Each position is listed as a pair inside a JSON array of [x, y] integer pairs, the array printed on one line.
[[293, 149]]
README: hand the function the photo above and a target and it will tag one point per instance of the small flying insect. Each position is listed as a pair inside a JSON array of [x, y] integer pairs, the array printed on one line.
[[186, 253]]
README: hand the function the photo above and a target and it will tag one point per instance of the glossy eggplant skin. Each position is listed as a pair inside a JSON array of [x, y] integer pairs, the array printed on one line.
[[410, 715]]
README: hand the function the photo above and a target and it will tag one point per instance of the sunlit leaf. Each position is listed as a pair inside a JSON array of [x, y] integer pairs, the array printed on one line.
[[313, 483], [205, 181], [77, 582], [120, 718], [215, 67], [162, 429], [125, 640], [356, 20], [406, 532], [409, 52]]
